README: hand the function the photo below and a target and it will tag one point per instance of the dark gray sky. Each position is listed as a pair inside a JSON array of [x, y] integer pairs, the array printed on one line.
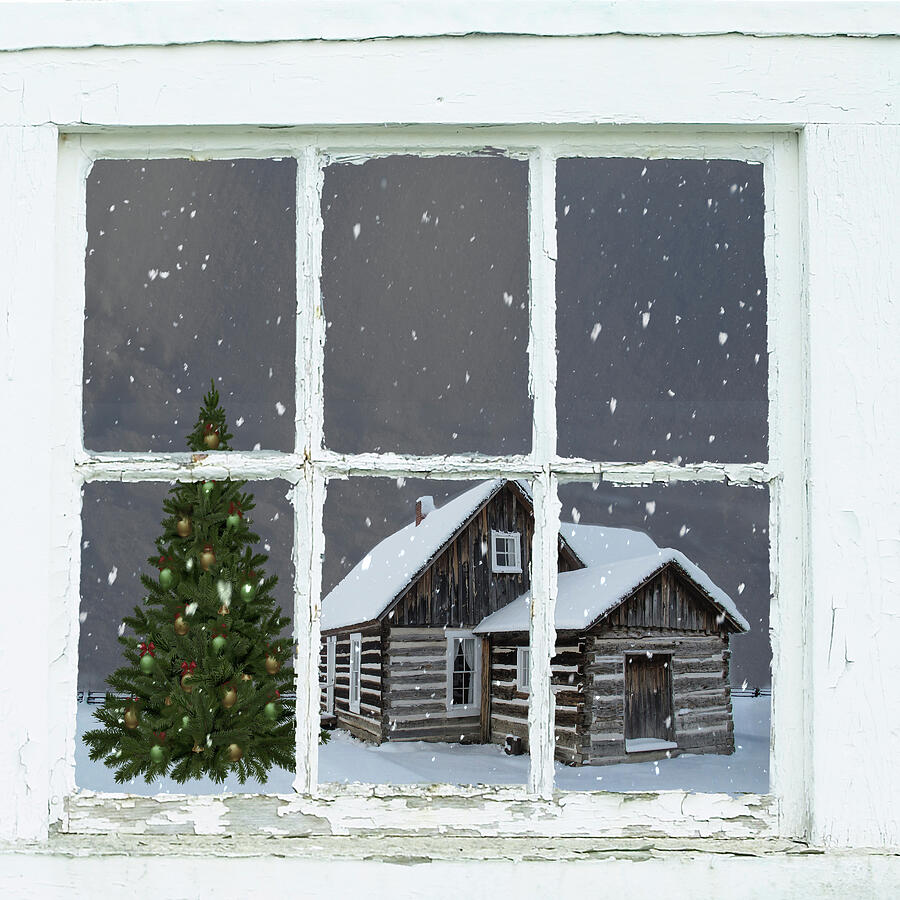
[[189, 276], [425, 293], [661, 307]]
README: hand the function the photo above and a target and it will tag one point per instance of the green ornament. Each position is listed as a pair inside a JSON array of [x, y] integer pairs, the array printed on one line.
[[248, 591], [166, 578], [270, 711], [185, 721], [147, 664], [208, 486], [233, 521], [157, 754], [218, 643]]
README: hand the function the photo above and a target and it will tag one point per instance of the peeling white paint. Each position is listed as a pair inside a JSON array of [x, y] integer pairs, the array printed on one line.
[[833, 391]]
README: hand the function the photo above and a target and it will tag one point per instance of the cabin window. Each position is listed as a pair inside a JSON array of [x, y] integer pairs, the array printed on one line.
[[506, 551], [355, 665], [463, 674], [523, 669]]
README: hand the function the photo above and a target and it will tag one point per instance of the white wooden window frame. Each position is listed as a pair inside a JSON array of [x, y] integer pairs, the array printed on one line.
[[454, 636], [306, 469], [523, 669], [515, 540], [355, 683]]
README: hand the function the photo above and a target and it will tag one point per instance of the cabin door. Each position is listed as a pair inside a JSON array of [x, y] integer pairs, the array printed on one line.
[[649, 719]]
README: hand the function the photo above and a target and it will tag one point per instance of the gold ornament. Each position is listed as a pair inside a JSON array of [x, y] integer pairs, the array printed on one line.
[[186, 682], [168, 701], [131, 717], [181, 627], [229, 698], [211, 441], [246, 677], [207, 558], [224, 610], [234, 752], [196, 749], [272, 665], [183, 526]]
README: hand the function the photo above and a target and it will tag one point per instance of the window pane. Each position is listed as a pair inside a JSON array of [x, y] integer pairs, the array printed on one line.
[[425, 292], [418, 594], [679, 692], [120, 525], [661, 290], [190, 276]]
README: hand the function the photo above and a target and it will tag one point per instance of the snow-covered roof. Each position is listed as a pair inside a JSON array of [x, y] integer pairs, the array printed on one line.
[[386, 570], [618, 560]]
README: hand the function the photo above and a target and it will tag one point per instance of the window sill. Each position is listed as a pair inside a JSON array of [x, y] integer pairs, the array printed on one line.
[[416, 849], [367, 809], [648, 745]]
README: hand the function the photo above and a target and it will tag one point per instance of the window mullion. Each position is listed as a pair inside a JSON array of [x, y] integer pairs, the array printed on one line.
[[542, 383], [309, 492], [309, 545]]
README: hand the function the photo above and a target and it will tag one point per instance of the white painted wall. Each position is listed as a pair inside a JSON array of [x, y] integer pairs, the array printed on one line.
[[841, 94]]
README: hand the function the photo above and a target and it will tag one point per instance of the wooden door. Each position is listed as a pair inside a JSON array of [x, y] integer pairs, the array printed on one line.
[[648, 697]]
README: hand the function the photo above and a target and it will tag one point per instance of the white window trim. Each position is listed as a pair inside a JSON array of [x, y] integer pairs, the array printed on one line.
[[330, 667], [455, 710], [355, 677], [523, 669], [784, 809], [516, 538]]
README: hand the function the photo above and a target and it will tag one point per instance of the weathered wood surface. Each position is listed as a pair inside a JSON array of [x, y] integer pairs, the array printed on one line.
[[366, 725], [458, 588], [648, 697], [668, 601], [423, 810], [701, 717]]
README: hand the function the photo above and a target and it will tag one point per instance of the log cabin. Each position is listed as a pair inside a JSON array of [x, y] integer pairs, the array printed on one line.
[[427, 637]]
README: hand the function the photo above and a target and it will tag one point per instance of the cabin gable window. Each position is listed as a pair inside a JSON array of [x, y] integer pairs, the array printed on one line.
[[463, 673], [355, 661], [506, 551]]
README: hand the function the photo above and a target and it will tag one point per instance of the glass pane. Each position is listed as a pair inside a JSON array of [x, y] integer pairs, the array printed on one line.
[[436, 705], [425, 292], [661, 289], [670, 617], [120, 525], [190, 276]]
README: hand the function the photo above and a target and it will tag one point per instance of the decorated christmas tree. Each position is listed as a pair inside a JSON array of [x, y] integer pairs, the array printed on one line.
[[199, 694]]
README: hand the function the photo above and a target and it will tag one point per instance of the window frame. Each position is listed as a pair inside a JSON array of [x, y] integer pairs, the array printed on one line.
[[523, 669], [330, 672], [354, 677], [456, 710], [516, 538], [310, 465]]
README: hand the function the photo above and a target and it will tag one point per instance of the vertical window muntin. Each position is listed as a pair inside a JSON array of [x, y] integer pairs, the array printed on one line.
[[321, 461]]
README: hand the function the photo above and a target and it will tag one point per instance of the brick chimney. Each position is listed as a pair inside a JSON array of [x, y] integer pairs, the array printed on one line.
[[424, 505]]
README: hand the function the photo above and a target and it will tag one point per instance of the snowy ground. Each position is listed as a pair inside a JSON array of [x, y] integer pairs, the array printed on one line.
[[345, 759]]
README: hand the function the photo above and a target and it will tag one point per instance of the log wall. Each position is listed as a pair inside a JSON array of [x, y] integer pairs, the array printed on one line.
[[700, 686], [415, 690], [458, 589], [367, 725], [509, 706]]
